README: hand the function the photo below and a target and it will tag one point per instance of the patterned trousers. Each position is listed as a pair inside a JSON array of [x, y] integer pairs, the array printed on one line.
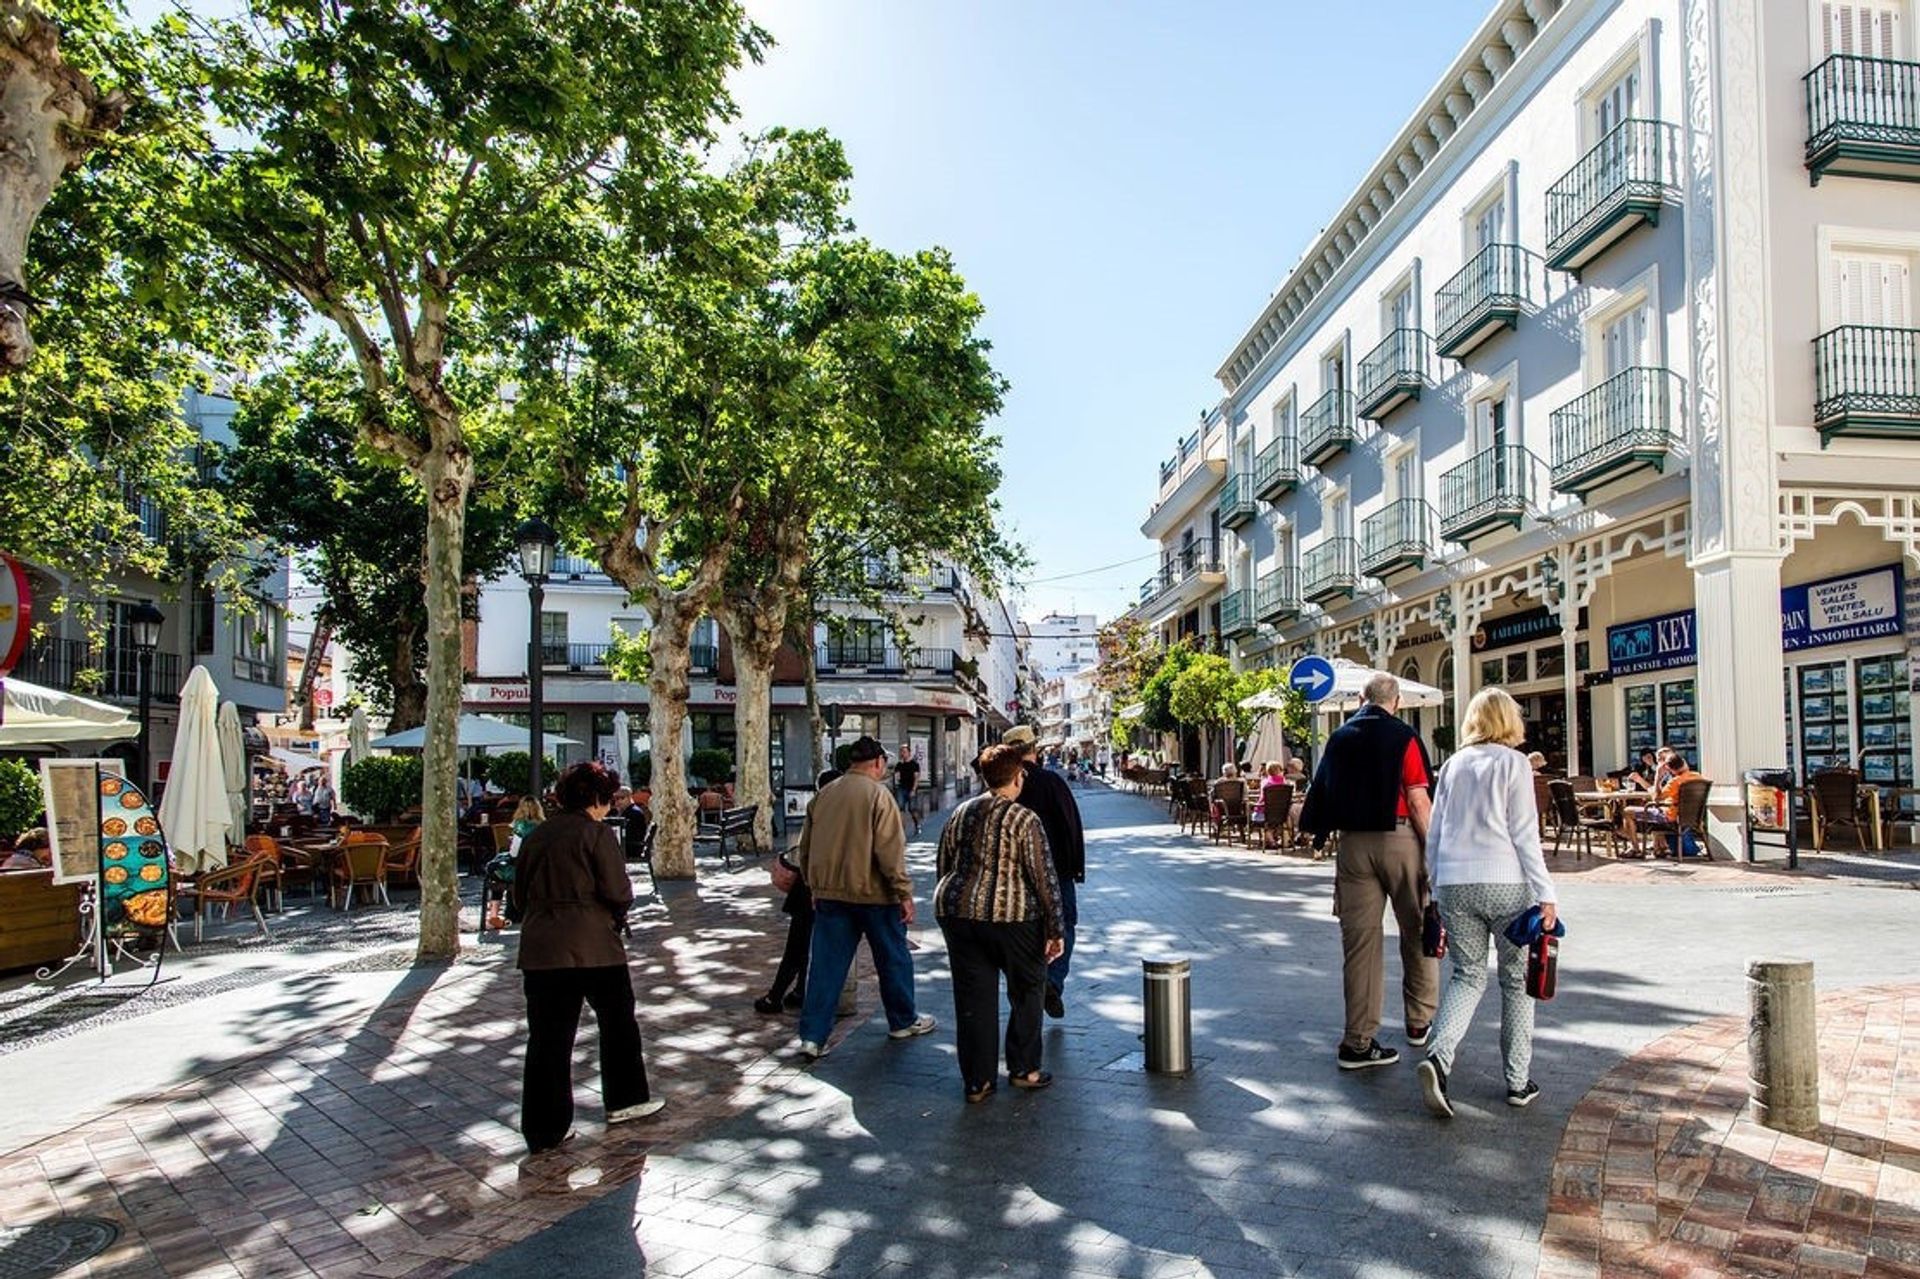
[[1474, 913]]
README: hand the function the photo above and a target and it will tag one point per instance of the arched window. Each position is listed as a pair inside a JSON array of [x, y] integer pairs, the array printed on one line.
[[1443, 715]]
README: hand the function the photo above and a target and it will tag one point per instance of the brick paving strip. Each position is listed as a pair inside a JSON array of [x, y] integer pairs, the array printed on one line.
[[1662, 1170], [389, 1146]]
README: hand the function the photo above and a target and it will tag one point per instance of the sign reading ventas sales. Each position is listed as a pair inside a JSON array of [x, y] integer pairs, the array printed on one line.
[[1837, 610]]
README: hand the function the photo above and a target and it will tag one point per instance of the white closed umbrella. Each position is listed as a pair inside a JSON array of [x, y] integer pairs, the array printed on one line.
[[358, 745], [233, 768], [1266, 745], [194, 811], [623, 746]]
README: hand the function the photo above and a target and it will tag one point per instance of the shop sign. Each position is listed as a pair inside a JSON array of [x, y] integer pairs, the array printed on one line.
[[16, 612], [495, 694], [1425, 637], [1655, 644], [1840, 610], [1519, 628]]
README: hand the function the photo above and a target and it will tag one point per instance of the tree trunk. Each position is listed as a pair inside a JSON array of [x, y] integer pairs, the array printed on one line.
[[50, 117], [446, 473], [753, 729], [408, 695], [667, 690], [816, 722]]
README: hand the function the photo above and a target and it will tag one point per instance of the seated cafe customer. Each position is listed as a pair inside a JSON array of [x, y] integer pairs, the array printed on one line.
[[32, 851], [1659, 815]]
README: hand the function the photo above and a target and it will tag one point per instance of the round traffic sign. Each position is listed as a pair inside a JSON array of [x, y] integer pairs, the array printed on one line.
[[1313, 676]]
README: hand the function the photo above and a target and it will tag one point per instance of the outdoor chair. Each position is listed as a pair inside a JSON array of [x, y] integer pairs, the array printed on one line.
[[362, 862], [403, 863], [1690, 814], [1570, 823], [1834, 800], [1276, 812], [226, 888], [1543, 803], [1177, 799], [1229, 811], [1196, 810]]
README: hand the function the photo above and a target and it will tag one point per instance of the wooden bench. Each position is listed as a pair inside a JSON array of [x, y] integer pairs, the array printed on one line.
[[39, 919], [728, 824]]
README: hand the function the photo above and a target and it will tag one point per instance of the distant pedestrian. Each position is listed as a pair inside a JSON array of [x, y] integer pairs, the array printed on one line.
[[1372, 786], [323, 800], [853, 854], [789, 989], [998, 903], [571, 889], [906, 783], [1484, 848], [1051, 800]]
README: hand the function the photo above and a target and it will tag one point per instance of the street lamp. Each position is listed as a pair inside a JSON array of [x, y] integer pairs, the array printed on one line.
[[143, 630], [536, 538]]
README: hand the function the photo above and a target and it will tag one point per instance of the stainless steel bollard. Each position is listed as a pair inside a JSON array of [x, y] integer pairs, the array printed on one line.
[[1783, 1056], [1168, 995]]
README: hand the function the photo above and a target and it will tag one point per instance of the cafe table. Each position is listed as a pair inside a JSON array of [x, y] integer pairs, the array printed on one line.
[[1616, 803]]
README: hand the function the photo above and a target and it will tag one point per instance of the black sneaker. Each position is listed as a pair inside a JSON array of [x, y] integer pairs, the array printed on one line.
[[1056, 1005], [1433, 1082], [1417, 1035], [1374, 1054], [1523, 1096]]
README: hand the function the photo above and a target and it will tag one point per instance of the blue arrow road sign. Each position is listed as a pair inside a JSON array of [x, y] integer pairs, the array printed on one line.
[[1313, 676]]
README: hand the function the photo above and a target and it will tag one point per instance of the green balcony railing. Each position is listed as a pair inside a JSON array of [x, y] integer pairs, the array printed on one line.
[[1485, 295], [1392, 373], [1620, 183], [1493, 487], [1627, 422], [1866, 382], [1236, 614], [1863, 118], [1398, 535], [1276, 596], [1276, 468], [1330, 569], [1326, 428], [1236, 501]]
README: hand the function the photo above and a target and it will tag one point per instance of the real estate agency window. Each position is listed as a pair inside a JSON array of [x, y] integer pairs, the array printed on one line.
[[1663, 713], [1852, 712]]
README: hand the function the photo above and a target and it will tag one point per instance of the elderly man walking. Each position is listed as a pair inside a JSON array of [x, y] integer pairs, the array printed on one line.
[[1051, 799], [1373, 787], [853, 855]]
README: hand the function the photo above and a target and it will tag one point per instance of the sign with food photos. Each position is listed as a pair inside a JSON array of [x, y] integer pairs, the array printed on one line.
[[103, 828]]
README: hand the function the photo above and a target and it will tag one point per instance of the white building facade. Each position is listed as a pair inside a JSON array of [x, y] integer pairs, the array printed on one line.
[[1604, 387]]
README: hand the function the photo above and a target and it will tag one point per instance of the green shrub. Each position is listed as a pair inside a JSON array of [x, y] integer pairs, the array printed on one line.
[[20, 800], [381, 787], [511, 771], [711, 765], [642, 771]]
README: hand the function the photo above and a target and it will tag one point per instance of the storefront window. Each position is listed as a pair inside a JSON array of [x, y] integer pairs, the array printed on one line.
[[1516, 668], [1663, 715], [1490, 672], [1853, 713], [1549, 663], [714, 730]]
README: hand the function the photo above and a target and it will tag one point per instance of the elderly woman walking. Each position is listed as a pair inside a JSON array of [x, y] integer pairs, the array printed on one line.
[[572, 891], [998, 903], [1483, 845]]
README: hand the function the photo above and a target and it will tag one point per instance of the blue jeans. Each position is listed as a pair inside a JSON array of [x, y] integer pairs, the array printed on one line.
[[1069, 918], [837, 930]]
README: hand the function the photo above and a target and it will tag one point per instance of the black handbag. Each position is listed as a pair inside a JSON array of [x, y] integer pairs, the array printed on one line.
[[1433, 933]]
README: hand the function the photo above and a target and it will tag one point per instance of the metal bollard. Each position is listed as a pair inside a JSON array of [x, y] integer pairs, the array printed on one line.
[[1783, 1057], [1168, 996]]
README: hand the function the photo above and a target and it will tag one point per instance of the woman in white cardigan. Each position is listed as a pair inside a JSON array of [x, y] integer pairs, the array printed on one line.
[[1483, 849]]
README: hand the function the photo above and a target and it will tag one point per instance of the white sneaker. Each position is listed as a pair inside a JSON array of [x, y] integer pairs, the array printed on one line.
[[641, 1111], [811, 1050], [918, 1026]]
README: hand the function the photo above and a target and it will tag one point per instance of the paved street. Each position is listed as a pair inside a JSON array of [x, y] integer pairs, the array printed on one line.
[[380, 1144]]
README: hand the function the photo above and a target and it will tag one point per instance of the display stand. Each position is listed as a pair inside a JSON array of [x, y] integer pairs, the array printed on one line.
[[101, 945], [1767, 796]]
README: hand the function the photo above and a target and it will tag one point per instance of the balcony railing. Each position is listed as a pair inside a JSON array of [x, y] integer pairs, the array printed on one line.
[[1392, 374], [577, 566], [1494, 487], [1863, 118], [862, 659], [1326, 428], [1276, 468], [1623, 181], [1330, 570], [1236, 614], [1399, 535], [78, 666], [1866, 382], [1236, 501], [891, 577], [1277, 595], [1485, 296], [1628, 422], [257, 670], [1176, 567]]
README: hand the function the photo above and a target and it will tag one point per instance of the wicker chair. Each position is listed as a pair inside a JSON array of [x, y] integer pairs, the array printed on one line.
[[362, 862], [1690, 814], [1276, 814], [1834, 800], [1227, 813], [227, 888], [1196, 811]]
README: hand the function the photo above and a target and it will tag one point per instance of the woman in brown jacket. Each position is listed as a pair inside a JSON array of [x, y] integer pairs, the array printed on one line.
[[571, 888]]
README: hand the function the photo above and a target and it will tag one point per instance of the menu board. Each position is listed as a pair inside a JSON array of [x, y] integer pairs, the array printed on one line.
[[70, 790], [104, 830]]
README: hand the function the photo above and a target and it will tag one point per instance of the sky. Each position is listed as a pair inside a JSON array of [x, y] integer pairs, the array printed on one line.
[[1123, 183]]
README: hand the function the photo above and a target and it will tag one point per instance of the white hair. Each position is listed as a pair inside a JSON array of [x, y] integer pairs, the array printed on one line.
[[1382, 690]]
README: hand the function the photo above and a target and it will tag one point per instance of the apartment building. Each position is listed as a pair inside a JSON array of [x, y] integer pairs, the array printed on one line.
[[1603, 386]]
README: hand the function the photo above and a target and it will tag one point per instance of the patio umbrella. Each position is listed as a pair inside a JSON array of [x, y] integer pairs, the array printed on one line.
[[357, 745], [233, 768], [476, 732], [194, 810], [1266, 743], [36, 716], [623, 746], [295, 761]]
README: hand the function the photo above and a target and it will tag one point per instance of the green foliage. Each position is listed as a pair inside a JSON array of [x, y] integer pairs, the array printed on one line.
[[512, 771], [1129, 655], [1294, 713], [642, 771], [711, 765], [630, 656], [20, 798], [1203, 693], [1156, 692], [381, 787]]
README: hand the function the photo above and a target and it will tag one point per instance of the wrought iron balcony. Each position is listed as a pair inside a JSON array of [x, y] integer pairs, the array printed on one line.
[[1236, 614], [1276, 597], [573, 566], [1326, 428], [1863, 118], [1628, 422], [1866, 382], [1485, 296], [1276, 468], [1623, 181], [1331, 570], [80, 666], [1494, 487], [1181, 566], [1399, 535], [1392, 374], [1236, 501]]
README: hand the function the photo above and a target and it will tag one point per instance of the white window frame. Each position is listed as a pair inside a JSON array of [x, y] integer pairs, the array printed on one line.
[[1391, 467], [1284, 418], [1642, 289], [1408, 282], [1641, 48], [1506, 188], [1503, 384], [1341, 350], [1337, 499], [1832, 241]]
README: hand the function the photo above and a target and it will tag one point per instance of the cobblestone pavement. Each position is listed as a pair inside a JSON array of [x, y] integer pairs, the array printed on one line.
[[383, 1144]]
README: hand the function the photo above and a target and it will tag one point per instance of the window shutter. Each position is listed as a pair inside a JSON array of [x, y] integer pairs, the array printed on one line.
[[1862, 30]]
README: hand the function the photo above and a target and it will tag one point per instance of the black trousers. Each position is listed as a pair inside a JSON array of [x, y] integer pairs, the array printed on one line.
[[554, 996], [793, 960], [980, 954]]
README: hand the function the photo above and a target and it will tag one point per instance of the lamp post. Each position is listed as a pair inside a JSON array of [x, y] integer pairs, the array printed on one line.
[[143, 630], [536, 538]]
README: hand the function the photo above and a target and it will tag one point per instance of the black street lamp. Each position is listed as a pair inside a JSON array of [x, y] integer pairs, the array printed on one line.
[[143, 631], [537, 539]]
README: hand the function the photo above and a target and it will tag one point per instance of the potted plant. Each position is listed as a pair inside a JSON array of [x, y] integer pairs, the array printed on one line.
[[381, 787]]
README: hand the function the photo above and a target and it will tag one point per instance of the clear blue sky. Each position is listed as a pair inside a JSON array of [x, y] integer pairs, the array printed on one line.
[[1123, 183]]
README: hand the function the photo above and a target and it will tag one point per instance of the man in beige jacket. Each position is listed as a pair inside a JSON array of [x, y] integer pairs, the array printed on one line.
[[853, 853]]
